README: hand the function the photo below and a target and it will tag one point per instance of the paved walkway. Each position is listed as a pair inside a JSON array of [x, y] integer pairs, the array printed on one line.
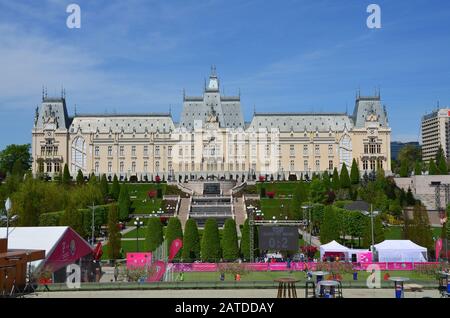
[[239, 212], [223, 293], [183, 211], [314, 240]]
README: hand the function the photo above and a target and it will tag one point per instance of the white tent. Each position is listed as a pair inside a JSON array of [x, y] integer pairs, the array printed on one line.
[[333, 247], [400, 251]]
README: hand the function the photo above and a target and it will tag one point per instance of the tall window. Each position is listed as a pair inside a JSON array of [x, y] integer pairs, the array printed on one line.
[[43, 151], [157, 166], [109, 151], [122, 166], [55, 150], [345, 151], [292, 165], [317, 150], [133, 151], [366, 148], [317, 165], [122, 151], [97, 151], [330, 165], [49, 166], [305, 165], [145, 166], [145, 150], [365, 165], [133, 166], [378, 148], [169, 151], [330, 150], [292, 150], [305, 150], [57, 167], [109, 166], [157, 151], [41, 167], [96, 166], [78, 154], [372, 164]]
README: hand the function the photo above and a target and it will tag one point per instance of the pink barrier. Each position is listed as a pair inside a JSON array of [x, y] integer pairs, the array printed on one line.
[[137, 260], [295, 266]]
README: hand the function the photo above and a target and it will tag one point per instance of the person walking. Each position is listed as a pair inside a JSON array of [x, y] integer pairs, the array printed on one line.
[[116, 272]]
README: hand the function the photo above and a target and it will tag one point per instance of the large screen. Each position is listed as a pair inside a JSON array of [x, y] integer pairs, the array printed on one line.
[[278, 238]]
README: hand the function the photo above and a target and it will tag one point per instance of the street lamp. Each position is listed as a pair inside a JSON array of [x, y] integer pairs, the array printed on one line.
[[308, 209], [372, 213], [7, 208], [138, 223]]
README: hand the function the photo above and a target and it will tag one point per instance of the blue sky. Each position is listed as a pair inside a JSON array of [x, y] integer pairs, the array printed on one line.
[[289, 55]]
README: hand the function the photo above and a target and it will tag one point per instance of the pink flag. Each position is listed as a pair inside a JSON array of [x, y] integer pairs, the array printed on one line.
[[159, 268], [438, 248], [174, 248]]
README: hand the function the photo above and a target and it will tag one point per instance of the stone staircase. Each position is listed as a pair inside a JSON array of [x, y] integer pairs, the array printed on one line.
[[183, 212], [240, 214]]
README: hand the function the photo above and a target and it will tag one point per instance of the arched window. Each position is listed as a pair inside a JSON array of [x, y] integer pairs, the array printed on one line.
[[78, 155], [345, 151]]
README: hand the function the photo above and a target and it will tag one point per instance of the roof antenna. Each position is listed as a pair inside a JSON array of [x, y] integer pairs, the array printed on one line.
[[75, 109], [43, 92], [239, 92], [346, 108], [46, 92]]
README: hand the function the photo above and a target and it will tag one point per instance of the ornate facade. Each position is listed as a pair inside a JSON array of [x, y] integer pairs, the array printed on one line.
[[211, 140]]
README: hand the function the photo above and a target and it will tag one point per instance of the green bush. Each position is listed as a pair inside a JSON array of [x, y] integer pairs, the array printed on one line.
[[210, 246], [230, 247], [191, 242]]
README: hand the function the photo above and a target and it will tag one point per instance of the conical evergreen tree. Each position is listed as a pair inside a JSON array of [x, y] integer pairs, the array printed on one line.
[[230, 247], [114, 236], [104, 186], [154, 236], [210, 246], [173, 232], [433, 169], [80, 177], [124, 203], [344, 178], [329, 230], [191, 242], [115, 189], [326, 180], [66, 175], [335, 182], [418, 168], [354, 173]]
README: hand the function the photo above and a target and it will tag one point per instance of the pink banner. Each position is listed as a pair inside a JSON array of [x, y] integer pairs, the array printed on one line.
[[138, 260], [158, 268], [365, 257], [438, 248], [174, 248]]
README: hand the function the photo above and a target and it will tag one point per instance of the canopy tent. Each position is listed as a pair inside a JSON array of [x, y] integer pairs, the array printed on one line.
[[62, 245], [334, 248], [400, 251]]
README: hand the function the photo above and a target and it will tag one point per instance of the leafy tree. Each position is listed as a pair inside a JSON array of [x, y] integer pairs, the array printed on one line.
[[419, 230], [104, 186], [344, 178], [154, 236], [93, 179], [66, 175], [15, 153], [114, 236], [404, 171], [418, 168], [410, 198], [191, 242], [317, 191], [329, 229], [409, 154], [441, 161], [80, 177], [115, 190], [210, 245], [230, 247], [73, 218], [378, 231], [301, 195], [124, 203], [335, 182], [17, 169], [173, 232], [433, 169], [354, 173]]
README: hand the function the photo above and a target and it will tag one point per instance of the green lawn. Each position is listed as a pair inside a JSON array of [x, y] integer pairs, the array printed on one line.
[[275, 207], [270, 276], [280, 188], [141, 203], [128, 247], [395, 232]]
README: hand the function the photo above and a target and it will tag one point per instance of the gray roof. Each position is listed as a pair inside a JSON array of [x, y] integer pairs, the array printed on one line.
[[365, 106], [128, 123], [301, 122], [52, 108]]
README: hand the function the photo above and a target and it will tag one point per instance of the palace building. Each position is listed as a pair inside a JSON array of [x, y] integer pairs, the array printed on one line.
[[211, 140]]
